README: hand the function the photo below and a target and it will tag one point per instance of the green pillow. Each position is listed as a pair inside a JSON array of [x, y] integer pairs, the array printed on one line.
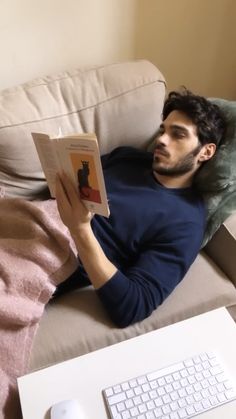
[[217, 178]]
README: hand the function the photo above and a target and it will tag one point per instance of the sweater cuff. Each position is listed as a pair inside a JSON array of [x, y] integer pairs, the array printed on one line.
[[114, 290]]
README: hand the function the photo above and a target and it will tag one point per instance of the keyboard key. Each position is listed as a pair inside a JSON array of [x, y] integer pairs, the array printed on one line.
[[169, 370], [204, 357], [184, 373], [190, 399], [191, 370], [117, 398], [146, 387], [158, 402], [166, 409], [150, 405], [125, 386], [129, 403], [137, 400], [114, 411], [109, 392], [191, 379], [134, 411], [206, 404], [174, 395], [145, 397], [182, 403], [153, 394], [198, 406], [161, 381], [213, 362], [158, 412], [182, 413], [138, 390], [153, 384], [166, 398], [199, 367], [169, 379], [133, 383], [169, 388], [227, 385], [230, 394], [174, 406], [142, 408], [117, 389], [161, 391], [142, 380], [188, 363], [213, 400], [221, 397], [176, 385], [190, 410], [120, 407]]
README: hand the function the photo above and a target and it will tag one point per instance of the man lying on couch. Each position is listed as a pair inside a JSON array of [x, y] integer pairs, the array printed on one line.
[[137, 256]]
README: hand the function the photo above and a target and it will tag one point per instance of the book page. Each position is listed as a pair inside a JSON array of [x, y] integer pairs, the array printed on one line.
[[79, 157], [48, 159]]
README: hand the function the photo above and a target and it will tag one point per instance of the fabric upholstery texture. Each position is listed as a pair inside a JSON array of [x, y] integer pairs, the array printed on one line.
[[217, 178], [124, 112], [76, 323]]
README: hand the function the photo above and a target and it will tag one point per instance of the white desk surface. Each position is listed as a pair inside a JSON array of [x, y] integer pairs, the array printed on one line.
[[84, 377]]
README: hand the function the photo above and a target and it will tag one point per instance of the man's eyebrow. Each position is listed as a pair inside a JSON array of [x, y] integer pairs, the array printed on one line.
[[180, 128], [176, 127]]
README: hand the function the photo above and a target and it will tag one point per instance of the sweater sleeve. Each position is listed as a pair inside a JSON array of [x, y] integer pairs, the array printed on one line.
[[133, 293]]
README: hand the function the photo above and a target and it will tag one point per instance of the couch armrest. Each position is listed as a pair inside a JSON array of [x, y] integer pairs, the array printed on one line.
[[222, 247]]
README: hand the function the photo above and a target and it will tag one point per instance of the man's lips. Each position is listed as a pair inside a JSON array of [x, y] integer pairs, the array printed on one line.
[[161, 152]]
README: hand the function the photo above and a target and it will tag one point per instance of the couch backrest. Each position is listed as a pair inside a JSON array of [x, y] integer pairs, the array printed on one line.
[[121, 102]]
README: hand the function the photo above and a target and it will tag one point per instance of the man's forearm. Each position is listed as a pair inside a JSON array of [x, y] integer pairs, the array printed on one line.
[[96, 264]]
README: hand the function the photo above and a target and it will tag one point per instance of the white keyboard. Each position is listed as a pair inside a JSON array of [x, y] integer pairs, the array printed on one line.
[[182, 390]]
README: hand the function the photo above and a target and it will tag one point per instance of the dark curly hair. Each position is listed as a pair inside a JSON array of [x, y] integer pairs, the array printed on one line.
[[203, 113]]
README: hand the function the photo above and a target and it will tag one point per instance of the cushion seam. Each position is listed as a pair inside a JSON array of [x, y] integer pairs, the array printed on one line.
[[67, 76], [84, 108]]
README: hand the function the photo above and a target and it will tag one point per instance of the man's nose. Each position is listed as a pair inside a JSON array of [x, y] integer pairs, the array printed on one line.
[[163, 139]]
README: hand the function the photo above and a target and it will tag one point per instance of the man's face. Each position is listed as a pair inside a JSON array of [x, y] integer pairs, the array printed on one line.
[[177, 146]]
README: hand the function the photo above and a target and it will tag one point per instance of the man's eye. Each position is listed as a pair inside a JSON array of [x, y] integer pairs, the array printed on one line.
[[160, 132], [178, 134]]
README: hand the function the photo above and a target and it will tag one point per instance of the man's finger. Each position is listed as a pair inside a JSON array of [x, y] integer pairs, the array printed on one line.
[[69, 188], [61, 195]]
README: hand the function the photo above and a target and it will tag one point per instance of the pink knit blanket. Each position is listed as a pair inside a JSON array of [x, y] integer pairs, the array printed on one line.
[[36, 254]]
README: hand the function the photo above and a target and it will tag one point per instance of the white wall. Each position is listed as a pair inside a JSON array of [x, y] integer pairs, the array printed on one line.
[[193, 42], [41, 37]]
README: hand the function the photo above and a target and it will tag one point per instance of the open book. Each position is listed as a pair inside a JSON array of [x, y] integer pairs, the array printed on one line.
[[78, 156]]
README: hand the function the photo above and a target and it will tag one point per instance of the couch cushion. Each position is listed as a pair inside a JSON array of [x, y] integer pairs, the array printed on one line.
[[76, 323], [121, 102], [217, 178]]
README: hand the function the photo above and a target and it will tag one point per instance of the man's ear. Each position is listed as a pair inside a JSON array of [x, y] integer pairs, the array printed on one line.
[[207, 152]]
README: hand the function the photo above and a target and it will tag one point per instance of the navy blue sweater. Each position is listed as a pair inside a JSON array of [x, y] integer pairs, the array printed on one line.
[[152, 236]]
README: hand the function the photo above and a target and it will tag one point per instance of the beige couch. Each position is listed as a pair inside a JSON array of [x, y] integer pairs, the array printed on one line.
[[122, 103]]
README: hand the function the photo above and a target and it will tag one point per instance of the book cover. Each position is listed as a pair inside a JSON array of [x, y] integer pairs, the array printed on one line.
[[77, 155]]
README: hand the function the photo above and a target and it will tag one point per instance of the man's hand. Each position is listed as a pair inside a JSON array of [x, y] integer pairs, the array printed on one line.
[[77, 218], [72, 211]]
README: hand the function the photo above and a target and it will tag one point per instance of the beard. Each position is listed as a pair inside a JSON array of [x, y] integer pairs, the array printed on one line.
[[183, 166]]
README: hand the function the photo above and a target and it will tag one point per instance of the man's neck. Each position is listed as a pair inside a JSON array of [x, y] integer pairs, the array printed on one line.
[[178, 182]]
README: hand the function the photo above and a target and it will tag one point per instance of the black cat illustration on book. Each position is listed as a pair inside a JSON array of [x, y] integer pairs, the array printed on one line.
[[83, 179]]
